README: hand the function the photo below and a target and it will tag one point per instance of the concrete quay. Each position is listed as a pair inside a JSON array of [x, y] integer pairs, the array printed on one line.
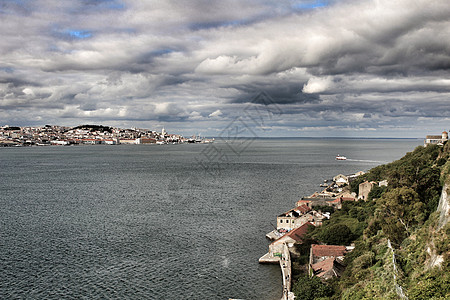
[[284, 259], [268, 258], [274, 235]]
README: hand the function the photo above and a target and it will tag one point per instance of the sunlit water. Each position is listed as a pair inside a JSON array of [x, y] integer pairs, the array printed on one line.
[[150, 222]]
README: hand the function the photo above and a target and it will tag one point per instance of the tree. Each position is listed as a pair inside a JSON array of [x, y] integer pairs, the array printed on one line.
[[311, 288], [376, 192], [338, 234], [431, 286], [400, 209], [354, 185]]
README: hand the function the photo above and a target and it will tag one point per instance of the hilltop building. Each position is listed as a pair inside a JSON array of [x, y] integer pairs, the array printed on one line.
[[436, 139]]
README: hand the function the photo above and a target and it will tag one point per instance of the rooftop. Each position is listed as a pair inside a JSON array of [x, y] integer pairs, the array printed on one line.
[[298, 233], [328, 250]]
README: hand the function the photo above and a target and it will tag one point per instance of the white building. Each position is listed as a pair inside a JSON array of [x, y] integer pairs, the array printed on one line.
[[436, 139], [340, 179]]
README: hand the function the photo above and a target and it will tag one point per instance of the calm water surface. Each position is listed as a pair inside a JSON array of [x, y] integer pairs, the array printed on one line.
[[149, 222]]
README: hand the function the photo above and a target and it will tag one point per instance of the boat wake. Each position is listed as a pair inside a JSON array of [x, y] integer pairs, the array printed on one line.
[[367, 160]]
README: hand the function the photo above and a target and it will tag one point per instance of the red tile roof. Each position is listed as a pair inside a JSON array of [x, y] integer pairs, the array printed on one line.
[[323, 266], [337, 200], [298, 233], [347, 199], [303, 208], [328, 250]]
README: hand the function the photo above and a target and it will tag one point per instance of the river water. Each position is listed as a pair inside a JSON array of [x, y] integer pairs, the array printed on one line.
[[159, 221]]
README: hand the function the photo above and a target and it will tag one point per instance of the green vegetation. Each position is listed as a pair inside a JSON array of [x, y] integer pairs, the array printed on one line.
[[311, 288], [324, 208], [354, 185], [346, 224], [404, 213], [100, 128], [376, 192]]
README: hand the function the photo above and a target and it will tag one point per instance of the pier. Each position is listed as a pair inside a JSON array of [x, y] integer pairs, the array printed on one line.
[[284, 259]]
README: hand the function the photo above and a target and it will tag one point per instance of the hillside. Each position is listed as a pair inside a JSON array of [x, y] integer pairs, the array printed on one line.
[[401, 234]]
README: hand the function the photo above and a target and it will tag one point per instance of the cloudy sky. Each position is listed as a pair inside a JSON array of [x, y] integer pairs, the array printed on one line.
[[377, 68]]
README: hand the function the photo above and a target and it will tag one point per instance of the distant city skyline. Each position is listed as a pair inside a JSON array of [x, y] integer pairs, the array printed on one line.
[[311, 68]]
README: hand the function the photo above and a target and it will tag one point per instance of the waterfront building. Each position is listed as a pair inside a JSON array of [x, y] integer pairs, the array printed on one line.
[[60, 143], [322, 201], [128, 141], [340, 179], [110, 142], [83, 134], [91, 141], [146, 141], [293, 218], [290, 238]]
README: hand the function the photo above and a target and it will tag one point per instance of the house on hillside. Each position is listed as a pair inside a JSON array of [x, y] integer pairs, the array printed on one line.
[[347, 197], [359, 173], [293, 218], [383, 183], [364, 189], [325, 261], [354, 176], [327, 268], [321, 252]]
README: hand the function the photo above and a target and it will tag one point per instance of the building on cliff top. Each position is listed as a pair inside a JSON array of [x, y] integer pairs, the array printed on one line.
[[436, 139]]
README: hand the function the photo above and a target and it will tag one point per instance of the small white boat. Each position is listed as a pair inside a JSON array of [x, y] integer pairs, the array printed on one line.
[[341, 157]]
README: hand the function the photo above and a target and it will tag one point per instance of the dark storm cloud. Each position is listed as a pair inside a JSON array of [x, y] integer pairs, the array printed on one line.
[[279, 93], [14, 82]]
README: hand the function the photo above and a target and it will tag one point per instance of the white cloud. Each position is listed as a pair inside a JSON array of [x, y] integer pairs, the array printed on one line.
[[28, 91], [317, 85], [216, 113]]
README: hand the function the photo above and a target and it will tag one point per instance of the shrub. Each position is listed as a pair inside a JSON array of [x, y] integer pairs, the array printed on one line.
[[311, 288], [338, 234]]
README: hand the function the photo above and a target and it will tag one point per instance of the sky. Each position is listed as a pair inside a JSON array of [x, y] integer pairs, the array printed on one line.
[[325, 68]]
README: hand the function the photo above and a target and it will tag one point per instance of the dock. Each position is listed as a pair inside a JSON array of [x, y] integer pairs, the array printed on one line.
[[274, 235], [284, 259], [268, 258]]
